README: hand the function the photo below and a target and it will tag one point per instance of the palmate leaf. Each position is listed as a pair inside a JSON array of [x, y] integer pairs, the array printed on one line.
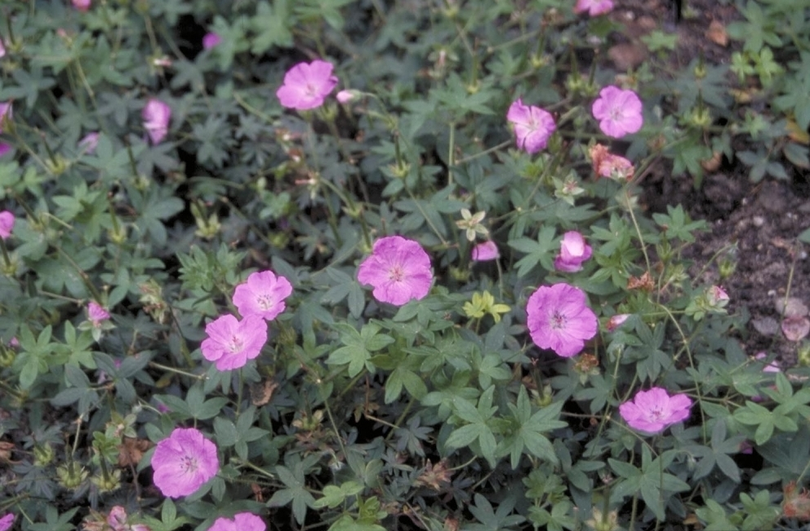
[[531, 429]]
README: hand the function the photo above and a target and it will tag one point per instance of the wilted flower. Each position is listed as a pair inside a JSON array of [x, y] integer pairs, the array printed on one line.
[[618, 111], [230, 342], [6, 521], [716, 297], [81, 5], [559, 319], [210, 40], [612, 166], [652, 411], [96, 313], [573, 251], [399, 270], [262, 294], [6, 224], [5, 114], [306, 85], [593, 7], [183, 462], [533, 126], [795, 502], [156, 116], [89, 143], [239, 522], [616, 321], [485, 251]]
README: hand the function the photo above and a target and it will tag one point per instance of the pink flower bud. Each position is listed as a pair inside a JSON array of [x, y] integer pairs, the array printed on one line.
[[81, 5], [345, 96], [717, 296], [210, 40], [616, 321], [96, 313], [4, 149], [573, 251], [6, 224], [485, 251], [156, 116], [88, 143]]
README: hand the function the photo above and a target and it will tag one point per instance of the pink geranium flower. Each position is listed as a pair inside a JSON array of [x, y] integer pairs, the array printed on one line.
[[6, 224], [533, 126], [593, 7], [559, 319], [210, 40], [573, 251], [6, 521], [485, 251], [81, 5], [183, 462], [96, 313], [240, 522], [346, 96], [618, 111], [262, 294], [652, 411], [156, 116], [306, 85], [230, 342], [399, 270]]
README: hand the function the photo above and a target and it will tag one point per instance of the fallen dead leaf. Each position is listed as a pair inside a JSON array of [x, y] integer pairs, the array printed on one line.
[[712, 164], [131, 451], [717, 33], [793, 307], [627, 55]]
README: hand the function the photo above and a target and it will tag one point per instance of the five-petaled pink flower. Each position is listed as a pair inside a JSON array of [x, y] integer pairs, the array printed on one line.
[[96, 313], [239, 522], [5, 114], [6, 521], [306, 85], [210, 40], [183, 462], [593, 7], [573, 251], [533, 126], [156, 115], [81, 5], [618, 111], [485, 251], [652, 411], [6, 224], [559, 319], [399, 270], [262, 294], [230, 342]]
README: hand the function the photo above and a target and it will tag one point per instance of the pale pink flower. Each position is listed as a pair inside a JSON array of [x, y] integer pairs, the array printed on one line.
[[81, 5], [485, 251], [771, 367], [96, 313], [6, 224], [346, 96], [399, 270], [616, 321], [210, 40], [230, 342], [652, 411], [618, 111], [306, 85], [239, 522], [533, 126], [573, 251], [262, 294], [117, 518], [5, 114], [156, 116], [89, 143], [4, 149], [6, 521], [2, 49], [593, 7], [559, 319], [183, 462], [717, 296]]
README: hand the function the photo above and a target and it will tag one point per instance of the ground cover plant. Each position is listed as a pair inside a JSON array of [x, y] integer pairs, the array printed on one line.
[[379, 265]]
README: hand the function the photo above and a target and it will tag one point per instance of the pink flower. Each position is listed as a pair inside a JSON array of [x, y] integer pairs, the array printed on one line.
[[156, 116], [210, 40], [2, 49], [183, 462], [96, 313], [89, 142], [81, 5], [618, 111], [306, 85], [399, 270], [6, 521], [559, 319], [240, 522], [230, 343], [616, 321], [6, 224], [533, 126], [117, 519], [573, 251], [485, 251], [262, 294], [771, 367], [717, 296], [4, 149], [652, 411], [593, 7], [346, 96], [606, 164], [5, 114]]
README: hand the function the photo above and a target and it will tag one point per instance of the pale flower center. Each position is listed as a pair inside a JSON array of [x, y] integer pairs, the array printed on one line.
[[656, 414], [558, 321], [189, 464], [265, 301], [311, 90], [235, 344], [396, 273], [616, 114]]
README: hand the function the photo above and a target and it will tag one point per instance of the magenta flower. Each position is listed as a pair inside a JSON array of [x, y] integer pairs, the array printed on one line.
[[183, 462], [262, 294], [573, 251], [6, 521], [485, 251], [652, 411], [306, 85], [593, 7], [618, 111], [240, 522], [2, 49], [6, 224], [89, 143], [399, 270], [210, 40], [5, 114], [4, 149], [559, 319], [533, 126], [156, 116], [771, 367], [96, 313], [81, 5], [230, 343]]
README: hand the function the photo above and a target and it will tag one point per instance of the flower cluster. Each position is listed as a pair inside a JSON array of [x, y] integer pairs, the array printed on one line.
[[398, 269], [183, 462], [306, 85], [559, 319], [654, 410]]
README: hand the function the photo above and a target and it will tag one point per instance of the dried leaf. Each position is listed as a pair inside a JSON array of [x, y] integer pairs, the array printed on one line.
[[435, 477], [767, 326], [717, 33], [644, 282], [793, 307], [131, 451], [261, 394]]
